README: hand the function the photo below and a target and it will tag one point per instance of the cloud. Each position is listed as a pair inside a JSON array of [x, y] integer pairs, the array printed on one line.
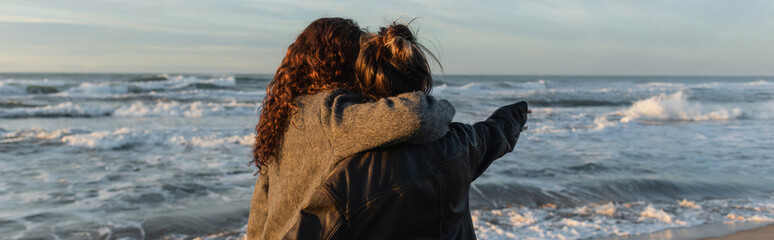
[[25, 19], [492, 37]]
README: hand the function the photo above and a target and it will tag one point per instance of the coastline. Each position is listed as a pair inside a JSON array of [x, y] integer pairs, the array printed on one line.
[[713, 231], [765, 232]]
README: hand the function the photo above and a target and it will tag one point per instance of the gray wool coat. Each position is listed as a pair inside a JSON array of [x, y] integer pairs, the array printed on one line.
[[328, 127]]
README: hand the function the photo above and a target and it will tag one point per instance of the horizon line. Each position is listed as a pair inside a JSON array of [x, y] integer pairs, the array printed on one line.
[[453, 74]]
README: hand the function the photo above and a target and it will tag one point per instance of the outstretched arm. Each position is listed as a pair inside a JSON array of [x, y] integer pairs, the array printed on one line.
[[495, 136], [355, 126]]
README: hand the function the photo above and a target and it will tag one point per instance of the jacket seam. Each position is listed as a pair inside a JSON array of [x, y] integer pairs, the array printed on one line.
[[344, 219], [335, 201], [334, 230]]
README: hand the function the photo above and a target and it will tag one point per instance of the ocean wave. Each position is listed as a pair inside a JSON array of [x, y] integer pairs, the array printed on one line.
[[662, 85], [169, 84], [126, 138], [547, 94], [15, 104], [195, 109], [67, 109], [11, 87], [6, 90], [718, 85], [105, 88], [600, 220], [38, 89], [576, 103], [108, 140], [664, 108], [162, 77], [136, 109], [213, 141], [615, 219], [676, 107], [123, 138], [760, 82], [500, 194], [181, 82], [108, 88], [539, 94], [479, 86]]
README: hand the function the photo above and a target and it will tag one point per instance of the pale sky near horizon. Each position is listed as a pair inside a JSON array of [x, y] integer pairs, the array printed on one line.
[[470, 37]]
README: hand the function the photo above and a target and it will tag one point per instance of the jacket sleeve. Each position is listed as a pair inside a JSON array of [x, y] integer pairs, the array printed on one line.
[[496, 136], [354, 126]]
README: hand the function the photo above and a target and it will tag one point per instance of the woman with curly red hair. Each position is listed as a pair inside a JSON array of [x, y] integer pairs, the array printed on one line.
[[315, 114]]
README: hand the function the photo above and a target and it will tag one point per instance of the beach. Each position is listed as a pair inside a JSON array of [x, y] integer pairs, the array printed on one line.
[[715, 231], [166, 155], [766, 232]]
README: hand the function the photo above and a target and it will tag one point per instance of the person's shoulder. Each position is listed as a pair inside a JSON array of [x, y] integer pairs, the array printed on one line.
[[326, 96]]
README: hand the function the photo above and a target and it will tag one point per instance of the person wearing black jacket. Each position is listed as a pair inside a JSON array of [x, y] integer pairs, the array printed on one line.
[[407, 191], [410, 191]]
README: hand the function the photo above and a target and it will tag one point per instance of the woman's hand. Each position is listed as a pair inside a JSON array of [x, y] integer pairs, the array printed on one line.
[[517, 111]]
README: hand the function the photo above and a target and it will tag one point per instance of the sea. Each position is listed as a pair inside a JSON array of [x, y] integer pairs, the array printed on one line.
[[165, 156]]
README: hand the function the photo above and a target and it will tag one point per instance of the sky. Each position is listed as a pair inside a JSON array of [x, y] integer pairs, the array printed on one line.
[[686, 37]]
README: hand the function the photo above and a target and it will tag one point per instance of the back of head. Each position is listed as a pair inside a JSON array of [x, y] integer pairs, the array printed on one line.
[[393, 62], [322, 58]]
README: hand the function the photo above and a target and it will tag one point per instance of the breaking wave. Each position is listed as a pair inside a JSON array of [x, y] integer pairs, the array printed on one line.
[[123, 138], [615, 219], [136, 109], [67, 109], [107, 88], [676, 107]]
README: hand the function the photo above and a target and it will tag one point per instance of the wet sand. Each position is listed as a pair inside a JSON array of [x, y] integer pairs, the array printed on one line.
[[766, 232], [716, 231]]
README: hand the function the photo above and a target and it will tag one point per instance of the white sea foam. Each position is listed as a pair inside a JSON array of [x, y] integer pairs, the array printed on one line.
[[23, 83], [760, 83], [195, 109], [34, 133], [657, 214], [594, 220], [180, 81], [211, 141], [676, 107], [689, 204], [497, 87], [662, 84], [605, 209], [601, 122], [66, 109], [119, 138], [11, 87], [103, 88], [136, 109], [125, 137], [540, 84]]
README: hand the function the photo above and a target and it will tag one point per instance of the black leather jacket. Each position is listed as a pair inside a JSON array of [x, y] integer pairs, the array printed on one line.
[[410, 191]]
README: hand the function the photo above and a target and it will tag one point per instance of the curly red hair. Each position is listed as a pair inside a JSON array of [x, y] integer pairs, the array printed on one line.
[[322, 58]]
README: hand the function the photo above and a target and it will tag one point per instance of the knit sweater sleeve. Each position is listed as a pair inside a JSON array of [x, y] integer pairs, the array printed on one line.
[[354, 126]]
